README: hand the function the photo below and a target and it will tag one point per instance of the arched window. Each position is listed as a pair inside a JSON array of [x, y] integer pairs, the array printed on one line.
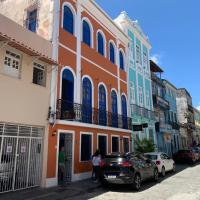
[[124, 112], [87, 101], [114, 115], [68, 20], [86, 33], [102, 106], [121, 60], [100, 41], [67, 94], [112, 53]]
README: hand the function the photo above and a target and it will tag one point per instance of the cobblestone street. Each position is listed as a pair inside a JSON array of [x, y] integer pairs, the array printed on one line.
[[184, 185]]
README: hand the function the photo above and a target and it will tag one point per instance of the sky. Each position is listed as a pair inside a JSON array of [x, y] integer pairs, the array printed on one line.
[[173, 28]]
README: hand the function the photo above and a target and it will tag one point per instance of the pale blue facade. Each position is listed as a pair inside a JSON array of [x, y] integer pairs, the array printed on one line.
[[140, 84], [172, 118]]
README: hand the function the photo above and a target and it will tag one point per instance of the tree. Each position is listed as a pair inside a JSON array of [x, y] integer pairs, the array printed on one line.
[[145, 146]]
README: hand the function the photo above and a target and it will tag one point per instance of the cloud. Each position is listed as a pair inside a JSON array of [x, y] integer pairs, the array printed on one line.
[[156, 58]]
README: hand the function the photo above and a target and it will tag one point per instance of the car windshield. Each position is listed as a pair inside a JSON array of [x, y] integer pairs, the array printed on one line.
[[151, 156]]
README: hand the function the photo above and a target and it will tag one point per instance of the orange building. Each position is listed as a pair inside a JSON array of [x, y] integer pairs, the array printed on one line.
[[91, 109]]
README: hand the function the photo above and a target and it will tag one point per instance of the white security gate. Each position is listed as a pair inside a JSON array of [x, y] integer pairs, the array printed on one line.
[[20, 156]]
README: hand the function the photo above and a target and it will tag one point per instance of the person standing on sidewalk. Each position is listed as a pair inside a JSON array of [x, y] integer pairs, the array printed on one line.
[[96, 164], [61, 165]]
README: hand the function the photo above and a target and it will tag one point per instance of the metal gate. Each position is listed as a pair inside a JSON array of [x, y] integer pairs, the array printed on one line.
[[20, 156]]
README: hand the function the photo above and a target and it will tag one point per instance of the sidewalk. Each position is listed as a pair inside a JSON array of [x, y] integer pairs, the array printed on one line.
[[70, 191]]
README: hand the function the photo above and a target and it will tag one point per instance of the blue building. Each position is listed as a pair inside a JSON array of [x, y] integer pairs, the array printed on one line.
[[172, 117], [139, 83], [161, 109]]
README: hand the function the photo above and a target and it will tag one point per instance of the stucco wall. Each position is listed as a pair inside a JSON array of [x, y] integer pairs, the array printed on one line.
[[181, 109], [19, 14], [22, 101]]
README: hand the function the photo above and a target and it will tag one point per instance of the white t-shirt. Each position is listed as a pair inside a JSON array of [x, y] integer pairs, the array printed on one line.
[[96, 160]]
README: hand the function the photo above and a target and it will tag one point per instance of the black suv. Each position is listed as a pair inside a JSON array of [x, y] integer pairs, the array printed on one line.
[[130, 168]]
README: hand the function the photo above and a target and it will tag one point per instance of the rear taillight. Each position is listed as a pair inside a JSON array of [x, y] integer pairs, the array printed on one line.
[[125, 164], [157, 162], [102, 163]]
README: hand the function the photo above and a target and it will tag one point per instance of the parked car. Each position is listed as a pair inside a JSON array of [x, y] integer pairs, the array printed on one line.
[[130, 168], [163, 162], [185, 156]]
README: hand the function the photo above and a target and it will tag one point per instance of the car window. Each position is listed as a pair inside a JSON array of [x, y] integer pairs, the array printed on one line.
[[166, 156], [152, 157], [162, 156]]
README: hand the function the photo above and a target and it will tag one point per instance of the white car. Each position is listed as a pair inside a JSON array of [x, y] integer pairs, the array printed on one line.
[[163, 162]]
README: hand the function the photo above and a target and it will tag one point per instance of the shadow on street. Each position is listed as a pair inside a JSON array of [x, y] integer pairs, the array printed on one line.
[[83, 190]]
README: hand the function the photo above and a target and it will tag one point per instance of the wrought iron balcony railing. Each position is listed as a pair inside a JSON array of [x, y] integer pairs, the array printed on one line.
[[81, 113], [142, 112], [160, 102]]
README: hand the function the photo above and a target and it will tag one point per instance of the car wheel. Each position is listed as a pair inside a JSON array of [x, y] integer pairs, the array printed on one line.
[[155, 176], [137, 182], [163, 171], [174, 168]]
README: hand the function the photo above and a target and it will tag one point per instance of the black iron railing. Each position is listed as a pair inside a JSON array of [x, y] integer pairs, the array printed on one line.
[[160, 102], [81, 113], [142, 112]]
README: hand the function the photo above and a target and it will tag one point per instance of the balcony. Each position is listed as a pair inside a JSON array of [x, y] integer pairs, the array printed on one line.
[[156, 79], [174, 125], [142, 112], [160, 102], [80, 113]]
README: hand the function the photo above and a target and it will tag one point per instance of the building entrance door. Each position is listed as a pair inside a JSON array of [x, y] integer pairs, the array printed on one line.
[[65, 158]]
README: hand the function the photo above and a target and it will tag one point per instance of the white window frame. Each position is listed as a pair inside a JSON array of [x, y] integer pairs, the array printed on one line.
[[74, 14], [148, 99], [118, 142], [132, 93], [10, 70], [128, 142], [138, 54], [104, 40], [141, 96], [91, 31], [145, 60], [43, 68], [85, 133]]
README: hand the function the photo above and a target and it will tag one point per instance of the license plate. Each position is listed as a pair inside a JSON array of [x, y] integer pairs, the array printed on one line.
[[111, 176]]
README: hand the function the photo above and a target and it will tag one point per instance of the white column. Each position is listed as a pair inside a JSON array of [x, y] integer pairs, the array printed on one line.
[[118, 79], [136, 67], [143, 77], [128, 80], [151, 94], [55, 14], [78, 57]]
